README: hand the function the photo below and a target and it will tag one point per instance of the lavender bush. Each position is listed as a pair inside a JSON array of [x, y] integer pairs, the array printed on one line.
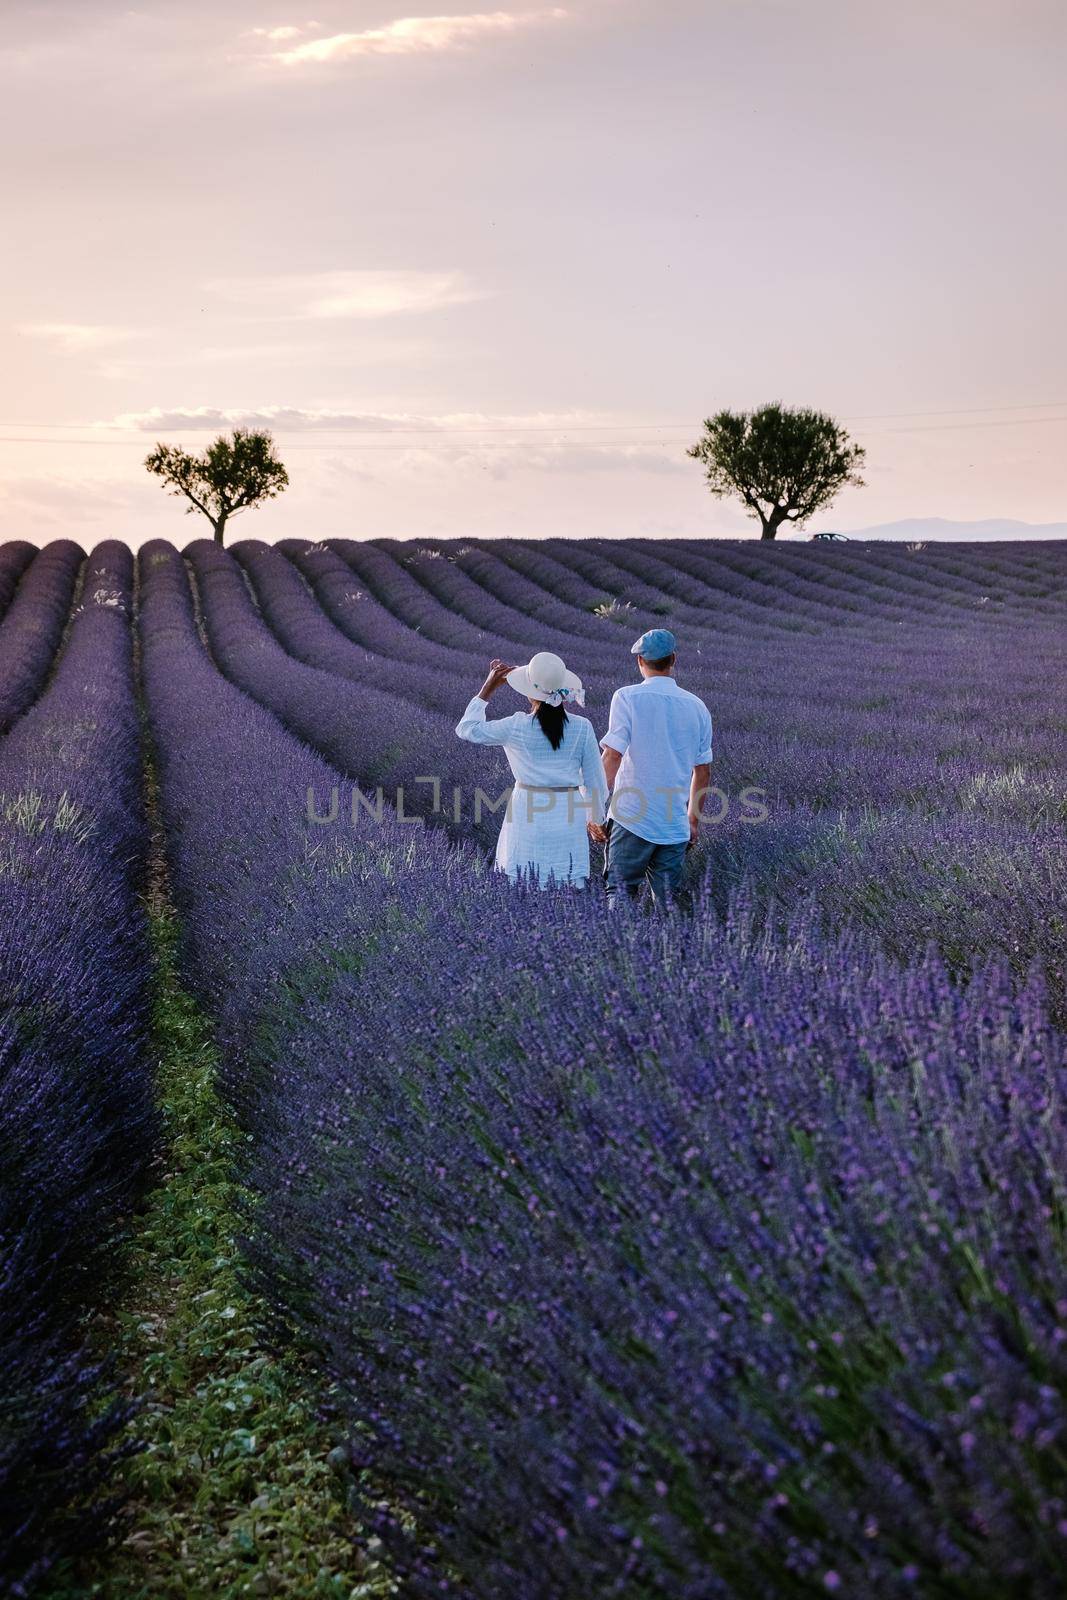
[[14, 559], [369, 731], [672, 1295], [33, 625], [288, 604], [77, 1126]]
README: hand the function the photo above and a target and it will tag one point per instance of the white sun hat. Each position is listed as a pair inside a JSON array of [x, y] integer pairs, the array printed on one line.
[[546, 678]]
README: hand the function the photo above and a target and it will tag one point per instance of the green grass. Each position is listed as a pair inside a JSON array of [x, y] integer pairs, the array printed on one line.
[[233, 1492]]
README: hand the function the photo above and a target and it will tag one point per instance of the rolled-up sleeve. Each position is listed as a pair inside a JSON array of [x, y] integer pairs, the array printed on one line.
[[704, 758], [619, 724], [594, 784], [473, 726]]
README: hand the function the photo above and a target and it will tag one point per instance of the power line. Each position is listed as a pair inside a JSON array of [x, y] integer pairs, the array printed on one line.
[[940, 427], [956, 411]]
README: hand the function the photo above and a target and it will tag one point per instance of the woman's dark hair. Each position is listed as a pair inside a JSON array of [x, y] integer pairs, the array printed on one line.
[[551, 719]]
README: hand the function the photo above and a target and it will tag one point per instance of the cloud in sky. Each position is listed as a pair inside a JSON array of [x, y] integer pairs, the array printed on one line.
[[457, 442], [595, 432], [280, 35], [349, 294], [414, 36], [289, 419], [75, 337]]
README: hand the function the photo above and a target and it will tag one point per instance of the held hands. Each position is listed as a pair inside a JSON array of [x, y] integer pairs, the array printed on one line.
[[597, 832], [498, 671]]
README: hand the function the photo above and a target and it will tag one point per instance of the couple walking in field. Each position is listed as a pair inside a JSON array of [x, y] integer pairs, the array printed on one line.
[[639, 791]]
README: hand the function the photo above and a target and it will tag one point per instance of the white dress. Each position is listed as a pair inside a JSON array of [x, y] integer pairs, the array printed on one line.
[[556, 793]]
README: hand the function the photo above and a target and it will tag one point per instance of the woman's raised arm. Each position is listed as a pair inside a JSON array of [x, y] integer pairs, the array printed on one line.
[[472, 724]]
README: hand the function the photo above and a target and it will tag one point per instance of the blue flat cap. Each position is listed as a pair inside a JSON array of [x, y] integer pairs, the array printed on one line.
[[654, 645]]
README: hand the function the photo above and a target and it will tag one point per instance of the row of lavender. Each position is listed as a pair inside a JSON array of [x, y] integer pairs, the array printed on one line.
[[911, 783], [77, 1126], [33, 622], [680, 1260]]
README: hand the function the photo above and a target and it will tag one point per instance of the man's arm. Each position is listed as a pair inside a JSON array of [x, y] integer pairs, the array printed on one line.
[[698, 789], [616, 741], [701, 780], [612, 763]]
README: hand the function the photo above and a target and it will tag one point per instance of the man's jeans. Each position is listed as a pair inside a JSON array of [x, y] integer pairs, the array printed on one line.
[[632, 861]]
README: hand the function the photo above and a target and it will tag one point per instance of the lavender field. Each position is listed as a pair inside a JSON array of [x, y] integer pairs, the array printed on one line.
[[711, 1253]]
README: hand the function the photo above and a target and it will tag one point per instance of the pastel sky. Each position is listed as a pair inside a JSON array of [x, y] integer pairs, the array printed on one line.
[[484, 271]]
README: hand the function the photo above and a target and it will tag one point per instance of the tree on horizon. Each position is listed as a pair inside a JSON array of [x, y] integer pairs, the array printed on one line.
[[231, 475], [785, 464]]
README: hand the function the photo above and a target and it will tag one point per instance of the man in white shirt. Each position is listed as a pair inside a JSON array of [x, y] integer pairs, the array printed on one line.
[[657, 758]]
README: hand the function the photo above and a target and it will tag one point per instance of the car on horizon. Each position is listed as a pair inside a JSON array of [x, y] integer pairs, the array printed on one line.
[[840, 536]]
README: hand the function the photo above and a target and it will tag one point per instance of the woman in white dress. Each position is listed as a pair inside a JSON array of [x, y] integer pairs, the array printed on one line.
[[560, 794]]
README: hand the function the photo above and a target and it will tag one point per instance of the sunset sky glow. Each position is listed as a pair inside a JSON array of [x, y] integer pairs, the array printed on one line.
[[484, 271]]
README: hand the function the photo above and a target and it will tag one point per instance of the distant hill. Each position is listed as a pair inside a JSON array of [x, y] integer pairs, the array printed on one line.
[[944, 528]]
